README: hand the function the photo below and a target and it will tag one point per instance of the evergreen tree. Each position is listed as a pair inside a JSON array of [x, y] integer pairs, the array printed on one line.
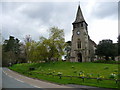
[[11, 51], [67, 50], [106, 48]]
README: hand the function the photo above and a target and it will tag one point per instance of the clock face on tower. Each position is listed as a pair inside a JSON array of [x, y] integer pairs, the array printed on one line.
[[78, 32]]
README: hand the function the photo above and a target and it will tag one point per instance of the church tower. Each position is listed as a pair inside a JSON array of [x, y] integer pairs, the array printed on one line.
[[80, 39]]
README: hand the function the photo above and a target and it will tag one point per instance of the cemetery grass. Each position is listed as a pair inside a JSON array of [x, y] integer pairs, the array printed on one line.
[[71, 69]]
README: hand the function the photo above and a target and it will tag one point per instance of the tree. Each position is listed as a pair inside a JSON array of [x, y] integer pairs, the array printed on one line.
[[44, 49], [106, 48], [57, 43], [28, 40], [119, 45], [47, 49], [22, 55], [11, 50], [12, 45], [67, 50]]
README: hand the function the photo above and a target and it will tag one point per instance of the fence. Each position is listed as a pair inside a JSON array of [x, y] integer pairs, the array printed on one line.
[[83, 78]]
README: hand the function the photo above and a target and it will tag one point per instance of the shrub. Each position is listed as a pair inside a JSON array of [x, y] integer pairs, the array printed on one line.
[[115, 70], [112, 76], [106, 68], [104, 61], [75, 71], [31, 68], [53, 71], [80, 73], [89, 75], [50, 73], [59, 73], [30, 73], [72, 67]]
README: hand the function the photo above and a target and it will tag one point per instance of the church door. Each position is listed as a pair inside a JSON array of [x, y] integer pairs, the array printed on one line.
[[79, 57]]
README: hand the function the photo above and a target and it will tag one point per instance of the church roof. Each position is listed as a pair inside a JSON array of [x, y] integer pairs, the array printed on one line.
[[93, 42], [79, 16]]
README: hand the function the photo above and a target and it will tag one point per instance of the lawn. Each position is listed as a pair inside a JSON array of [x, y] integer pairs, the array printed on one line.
[[92, 70]]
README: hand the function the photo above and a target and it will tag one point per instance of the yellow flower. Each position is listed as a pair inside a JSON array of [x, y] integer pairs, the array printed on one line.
[[82, 75], [101, 77]]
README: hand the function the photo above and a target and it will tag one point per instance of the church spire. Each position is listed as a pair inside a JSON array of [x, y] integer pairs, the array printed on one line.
[[79, 16]]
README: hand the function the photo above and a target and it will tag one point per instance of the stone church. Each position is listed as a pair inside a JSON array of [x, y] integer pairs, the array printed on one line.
[[82, 47]]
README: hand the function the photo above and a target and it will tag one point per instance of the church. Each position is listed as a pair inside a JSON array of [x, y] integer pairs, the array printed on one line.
[[82, 47]]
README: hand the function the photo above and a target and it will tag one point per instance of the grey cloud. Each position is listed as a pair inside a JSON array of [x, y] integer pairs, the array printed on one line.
[[38, 11], [105, 9], [20, 19], [52, 14], [8, 7], [47, 11]]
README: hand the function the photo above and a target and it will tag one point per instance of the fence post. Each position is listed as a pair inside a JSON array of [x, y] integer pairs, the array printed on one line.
[[83, 79], [116, 81], [59, 76], [98, 80]]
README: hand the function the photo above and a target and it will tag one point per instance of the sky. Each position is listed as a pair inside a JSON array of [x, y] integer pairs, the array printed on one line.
[[35, 18]]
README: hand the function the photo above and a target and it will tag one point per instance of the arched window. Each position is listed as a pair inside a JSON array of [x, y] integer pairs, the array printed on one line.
[[74, 26], [79, 44]]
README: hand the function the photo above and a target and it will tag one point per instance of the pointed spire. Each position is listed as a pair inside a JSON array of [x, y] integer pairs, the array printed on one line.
[[79, 16]]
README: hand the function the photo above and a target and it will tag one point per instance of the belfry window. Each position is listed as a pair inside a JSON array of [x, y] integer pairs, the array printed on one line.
[[79, 44], [74, 26], [81, 24]]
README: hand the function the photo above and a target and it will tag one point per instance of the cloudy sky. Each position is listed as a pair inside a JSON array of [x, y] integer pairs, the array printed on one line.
[[35, 18]]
